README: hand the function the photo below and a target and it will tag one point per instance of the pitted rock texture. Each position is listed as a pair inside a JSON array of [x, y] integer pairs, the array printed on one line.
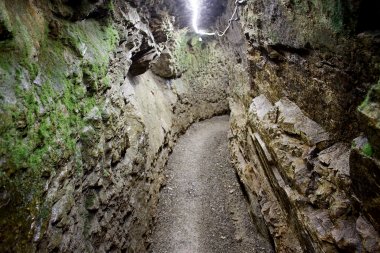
[[302, 50], [304, 191], [116, 199], [83, 141], [89, 116], [301, 143]]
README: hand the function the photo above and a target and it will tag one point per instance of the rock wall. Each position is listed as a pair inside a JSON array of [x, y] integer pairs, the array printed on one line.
[[94, 94], [86, 127], [302, 139]]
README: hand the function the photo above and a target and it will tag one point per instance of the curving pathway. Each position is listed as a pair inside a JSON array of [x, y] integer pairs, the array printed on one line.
[[202, 208]]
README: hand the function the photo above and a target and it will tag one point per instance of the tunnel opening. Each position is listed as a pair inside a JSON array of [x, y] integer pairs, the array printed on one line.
[[210, 11], [369, 13]]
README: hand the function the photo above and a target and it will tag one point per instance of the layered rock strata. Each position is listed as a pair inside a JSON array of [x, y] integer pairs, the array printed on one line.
[[295, 125]]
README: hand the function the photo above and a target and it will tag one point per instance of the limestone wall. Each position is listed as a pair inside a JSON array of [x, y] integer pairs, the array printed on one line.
[[302, 139], [84, 139]]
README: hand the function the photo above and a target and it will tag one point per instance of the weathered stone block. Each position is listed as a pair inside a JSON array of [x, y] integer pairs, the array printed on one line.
[[365, 174], [61, 208], [164, 65], [292, 120], [260, 107]]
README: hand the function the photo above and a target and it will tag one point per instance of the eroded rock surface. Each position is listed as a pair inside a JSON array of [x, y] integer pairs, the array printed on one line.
[[295, 125], [93, 95], [86, 127]]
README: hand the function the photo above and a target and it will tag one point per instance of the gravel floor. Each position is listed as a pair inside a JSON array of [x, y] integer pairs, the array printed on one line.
[[202, 208]]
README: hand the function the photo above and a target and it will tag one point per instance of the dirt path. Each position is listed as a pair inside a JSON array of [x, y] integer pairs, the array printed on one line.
[[202, 208]]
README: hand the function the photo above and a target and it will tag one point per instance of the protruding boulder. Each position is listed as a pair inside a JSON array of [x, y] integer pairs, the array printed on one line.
[[80, 9], [345, 235], [292, 120], [164, 65], [141, 61], [61, 208], [260, 107]]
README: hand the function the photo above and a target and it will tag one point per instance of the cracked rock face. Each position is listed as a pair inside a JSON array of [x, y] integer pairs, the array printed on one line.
[[296, 178], [91, 106], [309, 56], [295, 127], [94, 94], [79, 10]]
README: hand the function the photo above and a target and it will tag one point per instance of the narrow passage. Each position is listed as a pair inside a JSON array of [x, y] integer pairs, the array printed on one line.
[[202, 208]]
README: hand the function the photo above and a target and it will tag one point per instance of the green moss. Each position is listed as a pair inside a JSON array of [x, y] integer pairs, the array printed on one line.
[[88, 38], [112, 36], [373, 95], [337, 16], [90, 200], [5, 65], [364, 104], [93, 75], [111, 6], [32, 68], [106, 82], [191, 55], [94, 44], [40, 130], [106, 173], [367, 149], [326, 12]]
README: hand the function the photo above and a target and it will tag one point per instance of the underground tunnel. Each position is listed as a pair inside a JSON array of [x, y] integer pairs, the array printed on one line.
[[189, 126]]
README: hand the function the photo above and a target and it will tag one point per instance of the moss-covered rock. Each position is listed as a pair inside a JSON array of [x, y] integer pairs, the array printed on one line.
[[48, 85], [82, 143], [369, 111]]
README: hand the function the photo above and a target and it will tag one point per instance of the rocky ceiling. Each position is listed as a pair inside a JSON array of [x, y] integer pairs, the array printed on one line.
[[210, 10], [152, 11], [181, 9]]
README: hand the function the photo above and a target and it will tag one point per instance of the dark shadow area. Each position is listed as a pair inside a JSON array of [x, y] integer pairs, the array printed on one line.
[[369, 14]]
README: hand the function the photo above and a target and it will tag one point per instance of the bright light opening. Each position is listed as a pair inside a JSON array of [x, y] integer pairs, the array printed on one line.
[[195, 6]]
